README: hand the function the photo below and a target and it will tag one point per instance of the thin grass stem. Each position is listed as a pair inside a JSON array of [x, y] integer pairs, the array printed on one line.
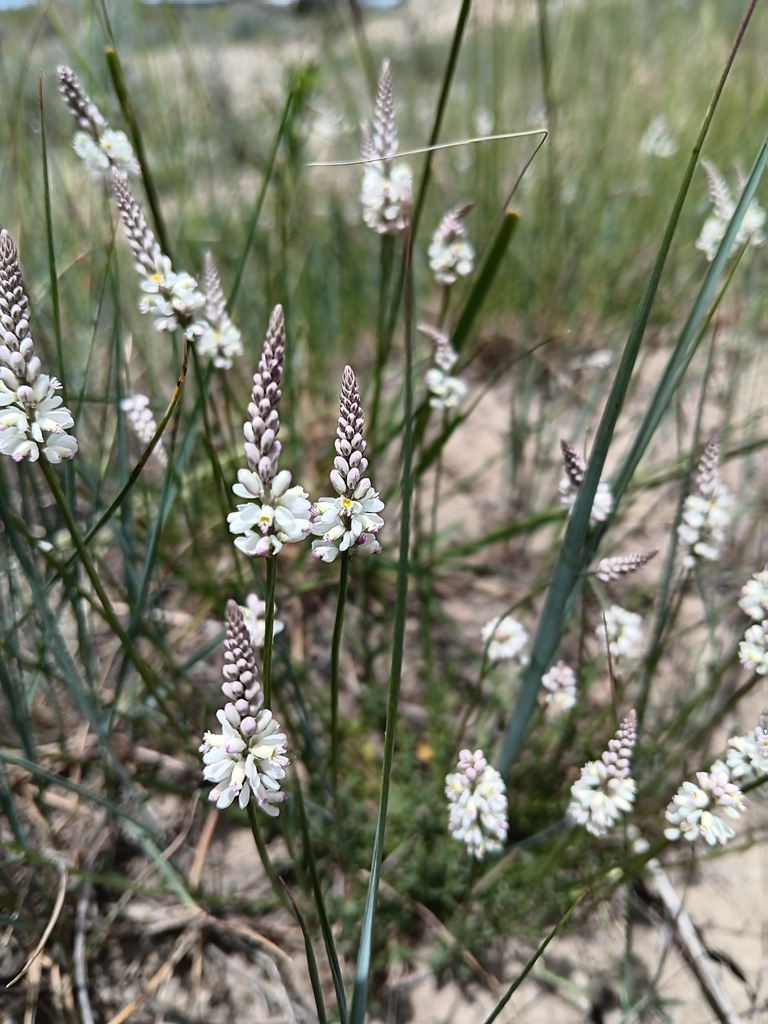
[[269, 629], [338, 628]]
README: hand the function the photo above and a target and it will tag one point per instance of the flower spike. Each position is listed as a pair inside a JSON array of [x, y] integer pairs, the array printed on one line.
[[575, 468], [606, 789], [450, 254], [97, 145], [171, 297], [32, 416], [349, 522], [386, 193], [613, 568], [247, 760], [477, 805], [275, 513], [706, 514], [221, 340]]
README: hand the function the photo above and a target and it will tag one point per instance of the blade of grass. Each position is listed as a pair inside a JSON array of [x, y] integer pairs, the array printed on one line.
[[569, 563], [529, 966], [116, 74], [49, 240], [314, 974], [359, 998], [483, 280], [317, 891]]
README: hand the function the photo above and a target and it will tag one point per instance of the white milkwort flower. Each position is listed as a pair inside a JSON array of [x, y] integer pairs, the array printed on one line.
[[625, 632], [350, 521], [505, 639], [747, 756], [723, 206], [477, 805], [248, 758], [753, 649], [754, 599], [706, 514], [560, 686], [697, 807], [254, 616], [606, 789], [450, 254], [445, 391], [33, 418], [220, 341], [445, 354], [658, 139], [387, 186], [275, 513], [575, 467], [98, 146], [136, 408], [171, 298]]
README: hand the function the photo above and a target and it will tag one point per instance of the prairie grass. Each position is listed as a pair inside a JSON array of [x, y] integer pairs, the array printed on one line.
[[112, 596]]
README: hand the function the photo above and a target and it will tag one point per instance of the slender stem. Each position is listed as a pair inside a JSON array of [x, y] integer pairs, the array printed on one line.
[[106, 605], [335, 653], [269, 629], [360, 993], [383, 335], [261, 846]]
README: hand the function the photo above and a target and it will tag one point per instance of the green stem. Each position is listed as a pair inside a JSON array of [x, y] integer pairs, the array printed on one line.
[[383, 335], [398, 643], [269, 629], [106, 605], [261, 846], [335, 654]]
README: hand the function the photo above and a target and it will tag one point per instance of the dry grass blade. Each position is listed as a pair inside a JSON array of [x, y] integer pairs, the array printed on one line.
[[61, 893], [183, 945]]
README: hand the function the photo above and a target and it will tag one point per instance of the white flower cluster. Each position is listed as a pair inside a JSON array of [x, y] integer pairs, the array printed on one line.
[[33, 418], [706, 514], [747, 756], [723, 206], [254, 611], [505, 639], [697, 807], [98, 146], [172, 298], [450, 254], [658, 139], [248, 758], [136, 408], [606, 789], [349, 522], [275, 513], [387, 187], [220, 340], [560, 686], [445, 390], [575, 467], [477, 805], [753, 649], [625, 632]]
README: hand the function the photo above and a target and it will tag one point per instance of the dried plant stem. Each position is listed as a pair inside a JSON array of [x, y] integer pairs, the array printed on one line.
[[269, 630], [338, 629], [153, 684]]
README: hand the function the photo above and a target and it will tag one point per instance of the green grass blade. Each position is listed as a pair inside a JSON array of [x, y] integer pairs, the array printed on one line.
[[484, 279], [262, 195], [116, 74], [49, 241], [325, 924], [569, 564], [314, 974], [529, 966], [362, 969]]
